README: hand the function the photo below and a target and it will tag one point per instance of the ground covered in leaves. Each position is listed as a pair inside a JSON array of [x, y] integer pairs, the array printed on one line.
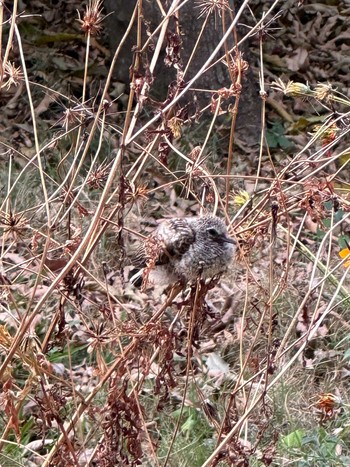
[[250, 368]]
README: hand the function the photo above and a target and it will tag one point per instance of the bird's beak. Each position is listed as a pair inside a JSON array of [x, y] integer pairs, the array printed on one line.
[[228, 239]]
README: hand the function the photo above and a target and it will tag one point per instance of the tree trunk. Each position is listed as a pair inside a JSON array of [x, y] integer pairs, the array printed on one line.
[[189, 24]]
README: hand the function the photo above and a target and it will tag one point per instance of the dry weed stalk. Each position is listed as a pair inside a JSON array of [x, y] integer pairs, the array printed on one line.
[[136, 344]]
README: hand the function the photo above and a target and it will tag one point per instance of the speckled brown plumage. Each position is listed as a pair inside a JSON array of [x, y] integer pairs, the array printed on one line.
[[186, 248]]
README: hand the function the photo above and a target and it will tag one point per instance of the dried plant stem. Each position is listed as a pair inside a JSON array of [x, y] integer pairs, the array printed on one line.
[[69, 191], [94, 223], [31, 162], [152, 66], [88, 400], [130, 137], [11, 31], [36, 140], [327, 276], [3, 62], [249, 34], [260, 397], [236, 81], [194, 51], [80, 206], [191, 326], [263, 113]]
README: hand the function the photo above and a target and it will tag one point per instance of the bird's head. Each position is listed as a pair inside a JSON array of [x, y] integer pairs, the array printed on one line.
[[213, 230]]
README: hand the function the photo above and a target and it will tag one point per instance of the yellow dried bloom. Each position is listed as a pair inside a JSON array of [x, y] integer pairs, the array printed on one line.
[[241, 198], [5, 337], [323, 91], [326, 134], [175, 124], [292, 89]]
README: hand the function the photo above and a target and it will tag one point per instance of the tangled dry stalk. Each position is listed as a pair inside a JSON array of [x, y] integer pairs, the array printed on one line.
[[92, 368]]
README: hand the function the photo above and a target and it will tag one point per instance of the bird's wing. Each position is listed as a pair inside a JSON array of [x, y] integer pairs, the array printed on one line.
[[176, 235], [172, 238], [138, 256]]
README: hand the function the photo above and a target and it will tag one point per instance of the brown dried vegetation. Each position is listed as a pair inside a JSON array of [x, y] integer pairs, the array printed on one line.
[[96, 371]]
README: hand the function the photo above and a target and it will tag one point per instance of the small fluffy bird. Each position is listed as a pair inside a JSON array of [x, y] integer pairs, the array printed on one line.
[[185, 249]]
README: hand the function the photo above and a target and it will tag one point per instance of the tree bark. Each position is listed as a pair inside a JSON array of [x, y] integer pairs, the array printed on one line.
[[190, 25]]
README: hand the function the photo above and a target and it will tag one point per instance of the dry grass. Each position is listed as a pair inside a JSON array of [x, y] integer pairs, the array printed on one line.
[[248, 369]]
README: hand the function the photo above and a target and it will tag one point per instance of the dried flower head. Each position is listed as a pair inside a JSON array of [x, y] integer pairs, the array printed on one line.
[[98, 176], [5, 337], [207, 7], [12, 76], [175, 125], [92, 19], [241, 198], [74, 116], [264, 29], [13, 224], [314, 198], [197, 174], [98, 337], [327, 403], [327, 134], [292, 89], [236, 64], [323, 91], [194, 154], [136, 194]]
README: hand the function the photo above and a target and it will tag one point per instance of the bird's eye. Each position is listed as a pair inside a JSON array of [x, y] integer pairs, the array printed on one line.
[[213, 232]]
